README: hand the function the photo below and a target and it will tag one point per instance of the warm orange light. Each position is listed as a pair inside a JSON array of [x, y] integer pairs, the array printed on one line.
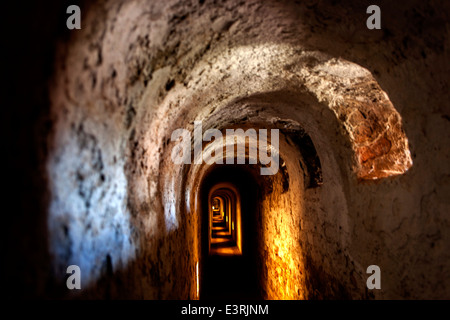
[[224, 236], [196, 274]]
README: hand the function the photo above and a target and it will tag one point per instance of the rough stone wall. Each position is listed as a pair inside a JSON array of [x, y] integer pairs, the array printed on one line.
[[399, 231], [140, 69], [283, 272]]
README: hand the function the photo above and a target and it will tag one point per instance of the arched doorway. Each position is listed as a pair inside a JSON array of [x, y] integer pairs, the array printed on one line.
[[225, 220]]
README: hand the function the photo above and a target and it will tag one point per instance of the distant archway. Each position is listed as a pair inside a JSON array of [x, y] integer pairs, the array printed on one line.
[[225, 223]]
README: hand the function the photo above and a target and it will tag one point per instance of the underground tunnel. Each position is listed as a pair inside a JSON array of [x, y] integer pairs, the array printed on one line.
[[237, 150]]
